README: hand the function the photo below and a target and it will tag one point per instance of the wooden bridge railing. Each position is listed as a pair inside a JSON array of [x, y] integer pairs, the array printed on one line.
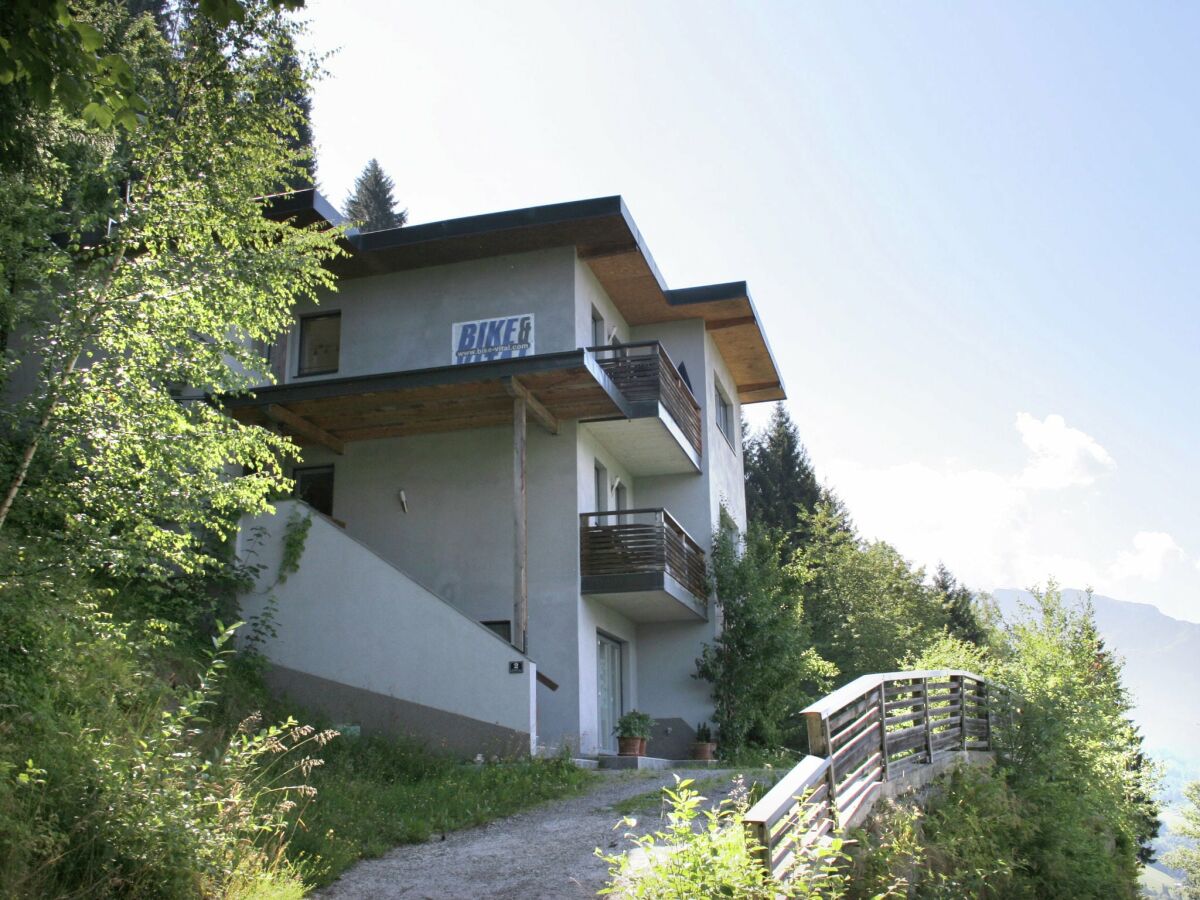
[[876, 729]]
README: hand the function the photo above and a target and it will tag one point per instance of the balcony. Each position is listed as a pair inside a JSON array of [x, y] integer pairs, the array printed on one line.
[[662, 436], [643, 564]]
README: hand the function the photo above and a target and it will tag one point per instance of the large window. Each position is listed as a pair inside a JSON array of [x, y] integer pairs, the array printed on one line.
[[320, 344], [724, 411], [314, 485]]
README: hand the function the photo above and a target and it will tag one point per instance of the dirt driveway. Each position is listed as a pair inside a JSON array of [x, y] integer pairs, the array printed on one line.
[[544, 853]]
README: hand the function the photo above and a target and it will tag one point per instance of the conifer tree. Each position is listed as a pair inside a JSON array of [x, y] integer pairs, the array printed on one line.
[[781, 485], [301, 141], [371, 203], [958, 602]]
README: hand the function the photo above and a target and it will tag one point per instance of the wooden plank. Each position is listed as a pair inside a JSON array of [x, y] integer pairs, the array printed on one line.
[[520, 534], [852, 730], [304, 428], [734, 322]]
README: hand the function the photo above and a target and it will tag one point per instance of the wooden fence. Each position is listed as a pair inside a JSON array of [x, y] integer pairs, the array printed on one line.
[[877, 729]]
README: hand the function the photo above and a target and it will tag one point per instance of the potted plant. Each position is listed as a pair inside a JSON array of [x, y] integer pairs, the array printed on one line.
[[704, 747], [632, 730]]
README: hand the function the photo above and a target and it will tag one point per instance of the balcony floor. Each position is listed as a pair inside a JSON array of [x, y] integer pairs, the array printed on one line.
[[649, 445], [649, 597]]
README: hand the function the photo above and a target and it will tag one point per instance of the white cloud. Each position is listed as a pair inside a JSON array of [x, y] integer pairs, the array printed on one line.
[[1060, 456], [989, 527], [1151, 552]]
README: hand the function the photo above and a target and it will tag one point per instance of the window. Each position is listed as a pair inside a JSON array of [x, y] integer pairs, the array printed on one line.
[[597, 328], [502, 627], [314, 485], [724, 411], [601, 488], [320, 343]]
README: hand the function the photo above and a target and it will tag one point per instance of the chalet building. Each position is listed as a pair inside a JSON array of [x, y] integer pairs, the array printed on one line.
[[516, 443]]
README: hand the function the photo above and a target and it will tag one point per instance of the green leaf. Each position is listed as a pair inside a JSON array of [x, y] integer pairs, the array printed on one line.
[[98, 114], [91, 39]]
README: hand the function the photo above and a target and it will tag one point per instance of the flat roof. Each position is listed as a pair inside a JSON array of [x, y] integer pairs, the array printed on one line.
[[604, 236]]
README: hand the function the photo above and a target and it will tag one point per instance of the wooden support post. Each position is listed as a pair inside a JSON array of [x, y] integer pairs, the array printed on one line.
[[962, 710], [928, 730], [541, 415], [831, 774], [987, 714], [883, 750], [820, 743], [520, 625]]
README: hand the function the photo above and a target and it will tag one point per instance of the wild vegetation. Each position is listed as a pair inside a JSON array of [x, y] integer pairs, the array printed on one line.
[[1187, 858], [139, 282], [1068, 809]]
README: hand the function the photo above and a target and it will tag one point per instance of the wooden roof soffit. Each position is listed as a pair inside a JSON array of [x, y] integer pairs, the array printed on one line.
[[544, 417], [283, 416]]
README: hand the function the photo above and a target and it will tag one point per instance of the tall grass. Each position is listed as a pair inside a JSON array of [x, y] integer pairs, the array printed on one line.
[[374, 793]]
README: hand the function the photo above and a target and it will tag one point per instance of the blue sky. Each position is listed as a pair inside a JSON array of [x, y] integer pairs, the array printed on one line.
[[971, 230]]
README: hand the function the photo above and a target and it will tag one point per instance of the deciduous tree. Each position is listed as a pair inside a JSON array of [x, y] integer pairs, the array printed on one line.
[[164, 273]]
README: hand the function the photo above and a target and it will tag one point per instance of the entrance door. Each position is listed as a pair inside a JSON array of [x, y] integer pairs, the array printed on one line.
[[608, 687]]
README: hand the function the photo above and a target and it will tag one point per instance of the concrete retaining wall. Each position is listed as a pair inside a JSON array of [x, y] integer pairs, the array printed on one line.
[[361, 641]]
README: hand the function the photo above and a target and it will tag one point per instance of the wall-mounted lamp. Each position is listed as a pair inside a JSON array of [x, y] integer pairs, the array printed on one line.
[[616, 482], [403, 500]]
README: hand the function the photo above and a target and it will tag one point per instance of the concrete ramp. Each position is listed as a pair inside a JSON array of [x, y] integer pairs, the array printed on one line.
[[350, 635]]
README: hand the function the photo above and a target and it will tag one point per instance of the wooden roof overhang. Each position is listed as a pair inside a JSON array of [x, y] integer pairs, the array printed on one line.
[[333, 412], [604, 236]]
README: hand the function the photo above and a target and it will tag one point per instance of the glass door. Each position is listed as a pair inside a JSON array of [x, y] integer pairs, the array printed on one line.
[[608, 688]]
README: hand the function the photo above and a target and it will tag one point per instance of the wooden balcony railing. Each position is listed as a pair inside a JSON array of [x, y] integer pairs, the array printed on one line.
[[877, 729], [643, 371], [638, 542]]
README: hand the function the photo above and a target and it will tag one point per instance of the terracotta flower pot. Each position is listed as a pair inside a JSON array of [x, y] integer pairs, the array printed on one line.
[[704, 750], [630, 746], [641, 746]]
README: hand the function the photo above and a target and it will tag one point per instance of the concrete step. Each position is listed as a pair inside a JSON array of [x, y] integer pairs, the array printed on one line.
[[654, 762], [584, 763]]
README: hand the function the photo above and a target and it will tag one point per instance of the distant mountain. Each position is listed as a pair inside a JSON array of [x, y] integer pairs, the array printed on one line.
[[1162, 668]]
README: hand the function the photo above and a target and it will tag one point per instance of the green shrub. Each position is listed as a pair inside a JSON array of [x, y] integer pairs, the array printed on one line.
[[704, 852]]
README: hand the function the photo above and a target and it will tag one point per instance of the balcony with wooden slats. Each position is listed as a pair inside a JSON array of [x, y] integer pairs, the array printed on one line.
[[644, 564], [663, 436]]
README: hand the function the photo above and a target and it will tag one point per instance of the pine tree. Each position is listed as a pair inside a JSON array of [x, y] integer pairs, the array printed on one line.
[[301, 141], [371, 203], [958, 601], [781, 486]]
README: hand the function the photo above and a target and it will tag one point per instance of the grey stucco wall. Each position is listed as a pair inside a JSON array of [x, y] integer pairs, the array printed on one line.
[[457, 536], [667, 652], [590, 294], [402, 320]]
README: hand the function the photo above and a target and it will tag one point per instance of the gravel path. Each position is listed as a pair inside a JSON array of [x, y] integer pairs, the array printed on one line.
[[545, 853]]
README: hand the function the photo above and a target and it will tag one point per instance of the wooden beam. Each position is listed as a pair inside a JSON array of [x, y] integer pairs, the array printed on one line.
[[304, 428], [757, 386], [544, 417], [520, 625], [718, 324]]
